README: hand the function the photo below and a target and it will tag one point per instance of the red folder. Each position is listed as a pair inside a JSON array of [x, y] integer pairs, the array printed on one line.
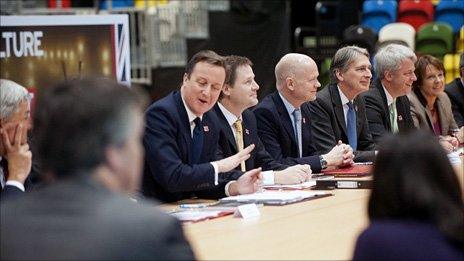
[[351, 171]]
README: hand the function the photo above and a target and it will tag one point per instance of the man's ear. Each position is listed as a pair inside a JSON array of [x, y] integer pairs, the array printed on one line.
[[113, 159], [339, 75], [226, 89], [388, 75], [185, 78], [289, 83]]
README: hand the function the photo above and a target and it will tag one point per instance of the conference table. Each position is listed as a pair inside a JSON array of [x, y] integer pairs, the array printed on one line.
[[319, 229], [324, 228]]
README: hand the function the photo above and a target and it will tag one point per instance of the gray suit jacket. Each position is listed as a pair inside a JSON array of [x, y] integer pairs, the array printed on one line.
[[423, 117], [328, 124], [79, 219]]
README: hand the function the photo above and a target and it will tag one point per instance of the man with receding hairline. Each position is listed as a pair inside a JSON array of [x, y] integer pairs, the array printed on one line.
[[284, 125], [238, 125]]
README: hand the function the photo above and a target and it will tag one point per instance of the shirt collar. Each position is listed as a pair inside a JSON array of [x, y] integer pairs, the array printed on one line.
[[190, 114], [342, 96], [389, 97], [462, 81], [287, 104], [230, 117]]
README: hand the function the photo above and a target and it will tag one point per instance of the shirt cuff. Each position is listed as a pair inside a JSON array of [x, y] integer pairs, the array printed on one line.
[[216, 172], [227, 187], [15, 183], [268, 177]]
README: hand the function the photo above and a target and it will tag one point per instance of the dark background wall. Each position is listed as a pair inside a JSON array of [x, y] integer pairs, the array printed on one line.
[[261, 30]]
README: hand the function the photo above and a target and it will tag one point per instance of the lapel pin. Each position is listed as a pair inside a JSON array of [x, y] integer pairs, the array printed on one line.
[[304, 120], [400, 118], [247, 131], [356, 108], [205, 128]]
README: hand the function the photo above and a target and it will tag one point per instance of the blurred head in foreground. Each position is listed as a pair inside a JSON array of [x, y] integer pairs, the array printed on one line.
[[414, 180], [92, 127]]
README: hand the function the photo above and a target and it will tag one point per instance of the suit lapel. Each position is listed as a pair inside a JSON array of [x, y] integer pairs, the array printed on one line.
[[359, 115], [226, 128], [338, 108], [305, 128], [185, 124], [284, 117], [442, 117], [383, 95]]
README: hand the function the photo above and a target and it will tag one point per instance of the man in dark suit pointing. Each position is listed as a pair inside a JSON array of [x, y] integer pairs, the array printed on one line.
[[181, 140]]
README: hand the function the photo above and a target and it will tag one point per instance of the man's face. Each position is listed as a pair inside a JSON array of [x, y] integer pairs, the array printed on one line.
[[358, 76], [244, 93], [201, 90], [305, 82], [402, 79], [20, 116], [131, 155], [433, 81]]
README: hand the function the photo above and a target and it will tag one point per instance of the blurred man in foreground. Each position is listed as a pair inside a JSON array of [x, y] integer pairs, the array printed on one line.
[[89, 138]]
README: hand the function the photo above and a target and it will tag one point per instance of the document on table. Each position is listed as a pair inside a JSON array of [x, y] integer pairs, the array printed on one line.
[[305, 185], [276, 197], [198, 215]]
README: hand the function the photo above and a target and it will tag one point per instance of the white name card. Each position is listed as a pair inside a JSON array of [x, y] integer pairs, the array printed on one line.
[[248, 211]]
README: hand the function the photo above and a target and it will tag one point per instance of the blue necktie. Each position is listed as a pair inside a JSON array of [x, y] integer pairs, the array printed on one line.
[[351, 126], [297, 129], [197, 144]]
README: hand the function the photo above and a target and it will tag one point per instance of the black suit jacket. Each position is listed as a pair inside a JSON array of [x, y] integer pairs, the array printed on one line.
[[9, 191], [79, 219], [377, 112], [276, 132], [169, 174], [455, 91], [328, 123], [259, 156]]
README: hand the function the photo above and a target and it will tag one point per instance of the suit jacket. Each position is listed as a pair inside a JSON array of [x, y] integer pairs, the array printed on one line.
[[455, 91], [79, 219], [328, 123], [276, 132], [9, 191], [259, 156], [423, 117], [378, 114], [405, 240], [169, 174]]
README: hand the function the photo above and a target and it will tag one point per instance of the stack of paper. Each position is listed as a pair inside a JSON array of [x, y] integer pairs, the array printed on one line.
[[276, 197], [198, 215]]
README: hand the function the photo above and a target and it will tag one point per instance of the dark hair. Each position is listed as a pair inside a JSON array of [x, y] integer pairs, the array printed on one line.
[[421, 66], [76, 121], [413, 179], [206, 56], [231, 63]]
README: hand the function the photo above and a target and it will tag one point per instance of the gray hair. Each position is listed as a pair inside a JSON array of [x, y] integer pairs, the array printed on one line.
[[11, 95], [343, 58], [389, 58]]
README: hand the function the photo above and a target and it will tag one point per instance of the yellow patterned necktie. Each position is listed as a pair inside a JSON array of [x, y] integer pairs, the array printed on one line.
[[239, 141]]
